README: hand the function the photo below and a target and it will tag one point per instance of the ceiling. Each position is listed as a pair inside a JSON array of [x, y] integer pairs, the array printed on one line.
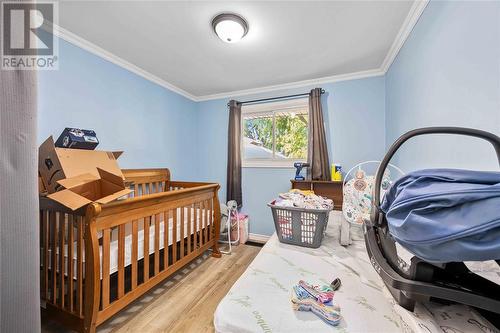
[[287, 41]]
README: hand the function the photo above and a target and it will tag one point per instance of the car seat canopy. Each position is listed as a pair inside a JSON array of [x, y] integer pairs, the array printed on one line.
[[445, 215]]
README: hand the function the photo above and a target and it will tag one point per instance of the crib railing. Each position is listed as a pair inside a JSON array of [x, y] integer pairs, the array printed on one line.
[[94, 262], [189, 212], [62, 280], [147, 181]]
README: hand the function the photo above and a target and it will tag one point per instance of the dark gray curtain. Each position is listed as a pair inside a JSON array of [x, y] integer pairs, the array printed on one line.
[[317, 148], [234, 153], [19, 239]]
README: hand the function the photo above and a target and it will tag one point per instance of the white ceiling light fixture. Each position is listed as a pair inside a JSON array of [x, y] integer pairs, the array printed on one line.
[[230, 27]]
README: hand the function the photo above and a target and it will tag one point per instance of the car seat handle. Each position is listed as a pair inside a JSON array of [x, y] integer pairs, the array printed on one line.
[[492, 138]]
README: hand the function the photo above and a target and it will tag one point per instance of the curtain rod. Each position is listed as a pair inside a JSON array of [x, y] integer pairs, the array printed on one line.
[[276, 98]]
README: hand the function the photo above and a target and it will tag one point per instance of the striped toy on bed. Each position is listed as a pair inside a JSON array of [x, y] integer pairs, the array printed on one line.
[[318, 300]]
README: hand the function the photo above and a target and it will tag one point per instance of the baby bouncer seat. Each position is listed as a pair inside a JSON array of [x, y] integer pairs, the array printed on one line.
[[432, 225]]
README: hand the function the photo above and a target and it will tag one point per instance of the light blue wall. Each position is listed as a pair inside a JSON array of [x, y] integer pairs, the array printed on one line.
[[448, 74], [355, 123], [154, 126]]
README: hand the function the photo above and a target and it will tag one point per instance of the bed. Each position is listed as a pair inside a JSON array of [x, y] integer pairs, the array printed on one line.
[[260, 299], [122, 249]]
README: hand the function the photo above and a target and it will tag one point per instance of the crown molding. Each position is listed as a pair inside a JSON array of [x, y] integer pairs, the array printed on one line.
[[411, 20], [113, 58], [296, 84]]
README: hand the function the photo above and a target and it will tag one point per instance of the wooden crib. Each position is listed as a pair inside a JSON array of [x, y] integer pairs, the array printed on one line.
[[94, 261]]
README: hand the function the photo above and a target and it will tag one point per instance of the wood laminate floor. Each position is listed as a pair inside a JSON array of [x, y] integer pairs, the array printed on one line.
[[185, 302]]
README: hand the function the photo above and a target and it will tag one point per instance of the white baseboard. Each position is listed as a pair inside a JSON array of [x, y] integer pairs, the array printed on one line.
[[258, 238]]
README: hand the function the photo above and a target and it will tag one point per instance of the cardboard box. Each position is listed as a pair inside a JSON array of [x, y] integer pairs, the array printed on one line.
[[56, 164], [87, 188], [41, 187]]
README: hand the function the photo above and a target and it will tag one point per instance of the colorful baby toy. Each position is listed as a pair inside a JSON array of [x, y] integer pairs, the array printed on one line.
[[318, 300]]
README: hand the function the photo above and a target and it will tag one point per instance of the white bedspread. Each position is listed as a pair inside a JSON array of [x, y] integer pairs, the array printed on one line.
[[260, 300]]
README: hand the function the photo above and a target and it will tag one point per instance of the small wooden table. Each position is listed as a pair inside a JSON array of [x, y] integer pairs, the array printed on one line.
[[330, 189]]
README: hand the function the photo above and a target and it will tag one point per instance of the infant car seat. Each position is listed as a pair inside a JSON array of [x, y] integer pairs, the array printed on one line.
[[413, 279]]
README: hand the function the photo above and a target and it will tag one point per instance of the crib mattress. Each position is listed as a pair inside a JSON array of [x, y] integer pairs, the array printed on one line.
[[113, 255], [260, 300]]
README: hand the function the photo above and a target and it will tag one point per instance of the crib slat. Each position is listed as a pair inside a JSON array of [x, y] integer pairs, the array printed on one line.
[[136, 190], [174, 236], [53, 263], [200, 217], [157, 243], [211, 219], [207, 219], [196, 227], [146, 247], [70, 262], [62, 231], [105, 268], [166, 223], [182, 225], [121, 261], [189, 228], [46, 233], [205, 225], [198, 224], [134, 254], [79, 266], [207, 230], [143, 189]]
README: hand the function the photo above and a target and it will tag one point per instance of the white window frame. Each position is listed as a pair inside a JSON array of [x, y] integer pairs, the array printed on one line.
[[271, 108]]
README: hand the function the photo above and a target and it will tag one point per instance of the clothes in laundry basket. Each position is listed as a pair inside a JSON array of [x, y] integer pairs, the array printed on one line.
[[446, 215], [303, 199]]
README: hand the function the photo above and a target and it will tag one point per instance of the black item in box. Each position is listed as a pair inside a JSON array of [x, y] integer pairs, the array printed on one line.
[[77, 139]]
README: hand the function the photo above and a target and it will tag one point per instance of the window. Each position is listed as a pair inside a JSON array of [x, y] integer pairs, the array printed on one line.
[[275, 134]]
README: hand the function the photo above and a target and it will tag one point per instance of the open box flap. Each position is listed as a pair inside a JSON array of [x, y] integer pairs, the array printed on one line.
[[78, 161], [49, 167], [110, 177], [77, 181], [86, 188], [114, 196], [69, 199]]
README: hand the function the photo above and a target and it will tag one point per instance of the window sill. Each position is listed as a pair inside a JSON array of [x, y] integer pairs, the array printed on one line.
[[269, 164]]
